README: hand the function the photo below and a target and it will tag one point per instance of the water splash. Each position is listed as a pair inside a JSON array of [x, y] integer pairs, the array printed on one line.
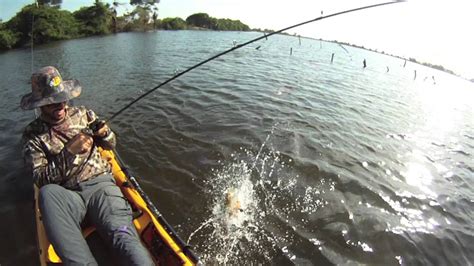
[[232, 228], [253, 197]]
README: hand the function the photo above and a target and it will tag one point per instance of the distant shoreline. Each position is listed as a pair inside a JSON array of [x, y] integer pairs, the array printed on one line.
[[99, 19], [53, 24], [412, 60]]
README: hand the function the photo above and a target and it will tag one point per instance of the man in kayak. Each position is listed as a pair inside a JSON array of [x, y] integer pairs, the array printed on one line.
[[76, 184]]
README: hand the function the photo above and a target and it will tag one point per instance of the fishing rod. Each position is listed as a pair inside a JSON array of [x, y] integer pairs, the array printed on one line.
[[242, 45]]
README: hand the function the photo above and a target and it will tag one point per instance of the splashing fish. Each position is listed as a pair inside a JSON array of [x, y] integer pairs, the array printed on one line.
[[233, 205]]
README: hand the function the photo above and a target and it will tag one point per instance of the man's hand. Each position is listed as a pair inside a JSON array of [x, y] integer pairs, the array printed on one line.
[[102, 130], [81, 143]]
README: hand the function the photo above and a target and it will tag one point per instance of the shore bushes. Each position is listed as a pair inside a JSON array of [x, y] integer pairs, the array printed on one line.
[[39, 24]]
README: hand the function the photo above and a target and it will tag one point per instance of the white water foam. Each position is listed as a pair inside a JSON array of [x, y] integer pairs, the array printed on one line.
[[262, 183]]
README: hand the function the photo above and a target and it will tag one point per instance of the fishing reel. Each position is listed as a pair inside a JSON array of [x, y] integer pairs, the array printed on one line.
[[94, 126]]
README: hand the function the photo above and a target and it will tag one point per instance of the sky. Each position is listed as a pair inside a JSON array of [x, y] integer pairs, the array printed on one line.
[[434, 31]]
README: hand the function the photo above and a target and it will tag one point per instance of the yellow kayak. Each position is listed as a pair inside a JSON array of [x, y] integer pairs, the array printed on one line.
[[164, 245]]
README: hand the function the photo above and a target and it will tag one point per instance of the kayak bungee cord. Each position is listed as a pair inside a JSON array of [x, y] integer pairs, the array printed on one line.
[[242, 45]]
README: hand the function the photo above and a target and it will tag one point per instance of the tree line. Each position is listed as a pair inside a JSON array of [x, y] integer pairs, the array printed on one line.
[[45, 21]]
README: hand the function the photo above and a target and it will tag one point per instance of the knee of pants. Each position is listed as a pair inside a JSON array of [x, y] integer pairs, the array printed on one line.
[[53, 198], [115, 202], [109, 208], [112, 213], [49, 192]]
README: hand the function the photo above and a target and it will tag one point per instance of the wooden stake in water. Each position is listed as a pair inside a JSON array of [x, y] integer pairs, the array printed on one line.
[[332, 58]]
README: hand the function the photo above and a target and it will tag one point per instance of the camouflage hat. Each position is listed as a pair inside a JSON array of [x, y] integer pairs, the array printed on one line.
[[48, 87]]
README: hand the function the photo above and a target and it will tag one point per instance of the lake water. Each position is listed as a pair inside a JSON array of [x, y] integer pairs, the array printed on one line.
[[331, 163]]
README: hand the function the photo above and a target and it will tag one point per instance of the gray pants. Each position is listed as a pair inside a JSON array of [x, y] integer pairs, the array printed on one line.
[[101, 203]]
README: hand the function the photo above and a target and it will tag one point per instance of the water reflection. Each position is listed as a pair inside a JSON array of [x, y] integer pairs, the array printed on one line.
[[418, 176], [441, 108]]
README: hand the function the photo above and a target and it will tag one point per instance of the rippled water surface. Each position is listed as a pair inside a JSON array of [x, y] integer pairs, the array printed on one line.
[[329, 163]]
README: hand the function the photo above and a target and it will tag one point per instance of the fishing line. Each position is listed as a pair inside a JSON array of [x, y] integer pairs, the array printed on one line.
[[347, 52], [32, 40], [242, 45]]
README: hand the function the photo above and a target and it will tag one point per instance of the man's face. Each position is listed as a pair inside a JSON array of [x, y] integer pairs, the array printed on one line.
[[55, 112]]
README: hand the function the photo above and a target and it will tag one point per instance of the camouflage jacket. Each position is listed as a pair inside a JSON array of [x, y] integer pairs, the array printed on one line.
[[51, 163]]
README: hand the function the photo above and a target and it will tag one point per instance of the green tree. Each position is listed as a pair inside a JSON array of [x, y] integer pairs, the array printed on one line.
[[155, 19], [48, 24], [228, 24], [8, 38], [173, 24], [202, 20], [94, 20], [118, 23], [50, 2], [139, 19], [145, 10], [144, 2]]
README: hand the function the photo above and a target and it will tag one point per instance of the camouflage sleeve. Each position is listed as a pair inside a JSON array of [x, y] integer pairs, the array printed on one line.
[[109, 141], [52, 171]]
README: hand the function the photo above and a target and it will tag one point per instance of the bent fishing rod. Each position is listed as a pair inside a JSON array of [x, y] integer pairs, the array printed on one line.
[[242, 45]]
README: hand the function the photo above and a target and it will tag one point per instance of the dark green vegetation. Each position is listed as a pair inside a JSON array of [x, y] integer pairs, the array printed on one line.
[[46, 22], [203, 20]]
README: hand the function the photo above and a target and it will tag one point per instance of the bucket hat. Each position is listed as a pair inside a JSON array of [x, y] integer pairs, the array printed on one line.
[[47, 87]]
